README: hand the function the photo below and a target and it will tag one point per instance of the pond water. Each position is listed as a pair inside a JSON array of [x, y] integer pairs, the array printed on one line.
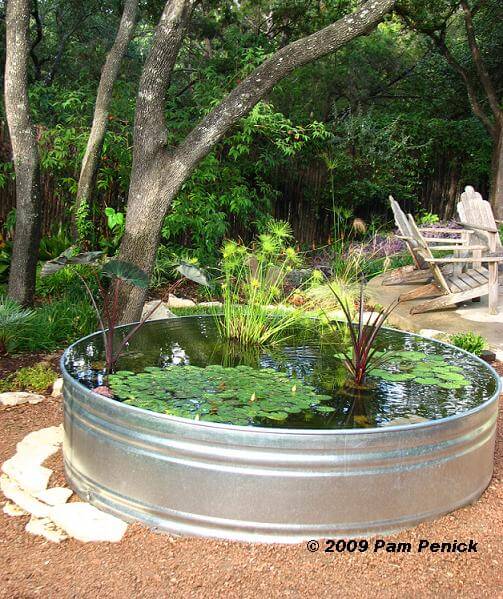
[[297, 384]]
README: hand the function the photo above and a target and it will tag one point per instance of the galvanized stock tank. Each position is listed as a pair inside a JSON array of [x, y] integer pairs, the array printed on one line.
[[271, 485]]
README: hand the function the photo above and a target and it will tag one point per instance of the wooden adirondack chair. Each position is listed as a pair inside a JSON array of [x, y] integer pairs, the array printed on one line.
[[458, 287], [476, 215], [419, 272]]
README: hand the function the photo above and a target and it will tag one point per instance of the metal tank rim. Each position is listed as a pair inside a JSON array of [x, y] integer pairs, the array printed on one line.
[[286, 431]]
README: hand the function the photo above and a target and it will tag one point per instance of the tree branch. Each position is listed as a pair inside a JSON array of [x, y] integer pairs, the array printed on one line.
[[439, 41], [479, 63], [150, 127], [240, 101], [38, 38], [109, 74]]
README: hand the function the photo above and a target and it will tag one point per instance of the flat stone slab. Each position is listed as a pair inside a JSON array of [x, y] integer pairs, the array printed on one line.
[[22, 498], [471, 316], [27, 474], [46, 528], [86, 523], [57, 388], [162, 310], [24, 482], [179, 302], [16, 398], [55, 495]]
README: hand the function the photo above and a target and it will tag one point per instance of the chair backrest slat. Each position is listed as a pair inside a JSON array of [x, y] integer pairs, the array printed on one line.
[[426, 251], [473, 210], [403, 226]]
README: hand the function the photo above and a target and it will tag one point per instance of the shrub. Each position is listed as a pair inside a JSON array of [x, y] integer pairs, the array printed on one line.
[[57, 324], [66, 283], [13, 322], [471, 342], [36, 379]]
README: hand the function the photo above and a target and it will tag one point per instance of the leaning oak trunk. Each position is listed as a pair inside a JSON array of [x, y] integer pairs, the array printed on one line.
[[497, 174], [24, 153], [92, 156], [159, 172]]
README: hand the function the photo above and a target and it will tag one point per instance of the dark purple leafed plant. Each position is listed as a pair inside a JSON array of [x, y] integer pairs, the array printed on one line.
[[119, 273], [362, 355]]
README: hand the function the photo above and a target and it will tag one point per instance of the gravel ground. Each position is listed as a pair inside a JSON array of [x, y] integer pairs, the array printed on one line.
[[146, 564]]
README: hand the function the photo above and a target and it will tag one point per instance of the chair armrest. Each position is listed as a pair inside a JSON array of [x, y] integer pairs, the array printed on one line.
[[459, 247], [444, 230], [449, 260], [444, 240], [479, 228]]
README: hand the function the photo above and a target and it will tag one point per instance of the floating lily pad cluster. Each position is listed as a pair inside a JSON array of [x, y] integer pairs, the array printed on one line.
[[421, 368], [240, 395]]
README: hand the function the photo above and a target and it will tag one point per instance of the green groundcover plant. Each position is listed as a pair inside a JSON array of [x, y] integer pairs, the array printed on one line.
[[36, 379], [471, 342]]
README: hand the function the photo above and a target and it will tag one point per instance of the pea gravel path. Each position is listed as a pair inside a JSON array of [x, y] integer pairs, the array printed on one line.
[[147, 565]]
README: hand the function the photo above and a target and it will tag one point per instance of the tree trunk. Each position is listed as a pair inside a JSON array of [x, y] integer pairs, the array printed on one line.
[[109, 73], [24, 153], [496, 197], [158, 172]]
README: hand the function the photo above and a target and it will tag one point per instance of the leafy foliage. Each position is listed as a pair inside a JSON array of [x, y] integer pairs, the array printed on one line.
[[56, 324], [13, 322]]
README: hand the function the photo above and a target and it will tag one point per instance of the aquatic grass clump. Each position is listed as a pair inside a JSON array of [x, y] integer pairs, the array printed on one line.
[[241, 395], [253, 281]]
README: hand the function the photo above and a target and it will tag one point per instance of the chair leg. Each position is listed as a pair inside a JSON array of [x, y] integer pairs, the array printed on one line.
[[493, 287], [452, 299], [407, 276], [431, 290], [434, 304]]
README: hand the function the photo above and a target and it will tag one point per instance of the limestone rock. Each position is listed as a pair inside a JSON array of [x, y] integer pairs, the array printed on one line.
[[434, 334], [23, 499], [57, 388], [179, 302], [86, 523], [45, 527], [211, 304], [161, 312], [52, 435], [11, 509], [39, 445], [15, 398], [27, 474], [55, 495]]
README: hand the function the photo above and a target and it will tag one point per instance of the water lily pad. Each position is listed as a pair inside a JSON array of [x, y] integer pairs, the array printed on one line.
[[217, 394], [427, 381], [325, 409]]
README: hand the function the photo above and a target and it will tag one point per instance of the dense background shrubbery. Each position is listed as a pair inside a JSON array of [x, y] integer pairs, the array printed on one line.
[[383, 115]]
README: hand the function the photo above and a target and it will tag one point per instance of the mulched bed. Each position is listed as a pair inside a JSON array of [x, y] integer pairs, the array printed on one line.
[[147, 564]]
